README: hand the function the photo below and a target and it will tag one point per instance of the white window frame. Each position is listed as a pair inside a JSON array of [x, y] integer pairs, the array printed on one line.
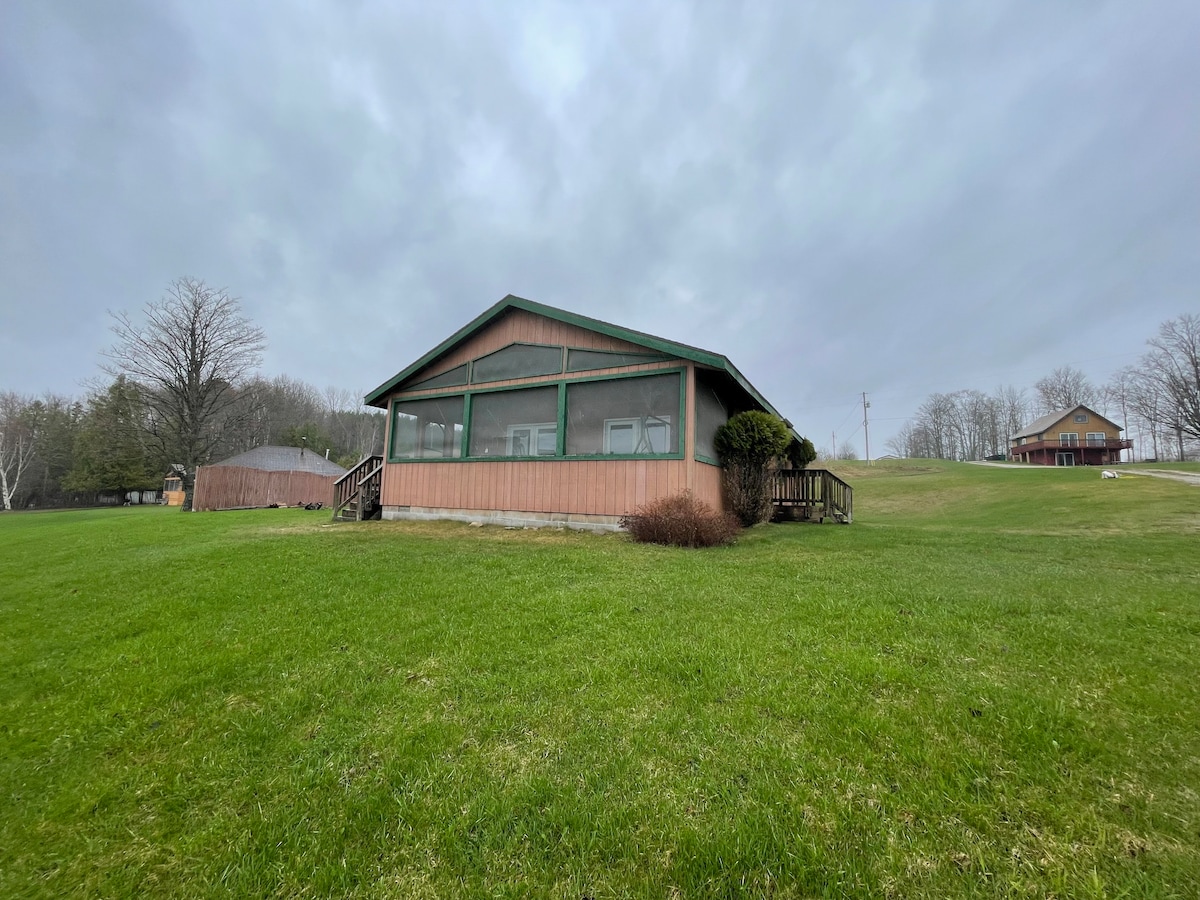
[[536, 430], [1068, 439], [641, 426], [436, 449], [1095, 438]]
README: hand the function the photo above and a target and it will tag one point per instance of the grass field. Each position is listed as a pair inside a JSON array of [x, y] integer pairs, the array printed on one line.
[[985, 687]]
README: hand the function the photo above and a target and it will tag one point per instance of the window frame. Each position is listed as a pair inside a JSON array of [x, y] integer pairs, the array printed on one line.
[[535, 430], [1068, 439], [638, 426], [389, 448], [561, 382]]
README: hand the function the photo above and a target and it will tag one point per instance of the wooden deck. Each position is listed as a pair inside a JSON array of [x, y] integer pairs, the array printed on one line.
[[812, 494]]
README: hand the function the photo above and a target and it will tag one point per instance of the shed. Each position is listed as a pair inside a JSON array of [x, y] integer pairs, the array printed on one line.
[[266, 476]]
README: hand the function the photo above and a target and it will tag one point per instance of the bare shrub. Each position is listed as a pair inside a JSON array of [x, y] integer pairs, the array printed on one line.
[[681, 521]]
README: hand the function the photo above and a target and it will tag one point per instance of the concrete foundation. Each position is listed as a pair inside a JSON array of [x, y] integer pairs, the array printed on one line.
[[506, 517]]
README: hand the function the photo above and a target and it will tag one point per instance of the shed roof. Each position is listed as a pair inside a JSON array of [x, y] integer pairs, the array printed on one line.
[[284, 459], [1037, 426], [378, 397]]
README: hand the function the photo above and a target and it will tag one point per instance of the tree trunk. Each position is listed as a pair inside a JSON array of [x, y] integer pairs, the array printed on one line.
[[189, 488]]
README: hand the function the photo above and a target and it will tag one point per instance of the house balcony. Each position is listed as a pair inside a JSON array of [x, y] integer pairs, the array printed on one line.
[[1091, 446]]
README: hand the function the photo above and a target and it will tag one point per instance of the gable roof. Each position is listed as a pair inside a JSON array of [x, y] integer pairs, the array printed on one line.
[[284, 459], [378, 397], [1037, 426]]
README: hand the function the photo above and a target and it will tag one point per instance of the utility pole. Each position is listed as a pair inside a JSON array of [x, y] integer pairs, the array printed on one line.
[[866, 431]]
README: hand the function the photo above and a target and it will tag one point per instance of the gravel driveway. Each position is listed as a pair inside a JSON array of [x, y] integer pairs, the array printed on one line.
[[1192, 478]]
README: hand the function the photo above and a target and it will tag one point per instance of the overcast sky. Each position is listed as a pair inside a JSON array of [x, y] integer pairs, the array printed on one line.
[[890, 197]]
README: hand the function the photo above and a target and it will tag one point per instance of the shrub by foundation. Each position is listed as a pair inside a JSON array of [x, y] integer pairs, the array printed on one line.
[[749, 444], [681, 521]]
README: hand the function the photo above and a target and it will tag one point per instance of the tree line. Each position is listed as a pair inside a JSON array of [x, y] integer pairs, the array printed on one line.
[[181, 388], [1158, 398]]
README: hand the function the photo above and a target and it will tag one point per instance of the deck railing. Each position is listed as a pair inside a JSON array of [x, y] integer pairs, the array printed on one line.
[[359, 486], [813, 494], [1082, 444]]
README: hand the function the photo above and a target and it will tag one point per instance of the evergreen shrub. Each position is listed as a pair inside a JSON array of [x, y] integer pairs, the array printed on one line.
[[750, 444]]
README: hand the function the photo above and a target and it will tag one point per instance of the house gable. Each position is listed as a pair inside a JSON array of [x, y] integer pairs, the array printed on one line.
[[515, 321]]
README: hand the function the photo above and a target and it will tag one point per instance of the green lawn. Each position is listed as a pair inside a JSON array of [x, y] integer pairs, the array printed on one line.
[[987, 686]]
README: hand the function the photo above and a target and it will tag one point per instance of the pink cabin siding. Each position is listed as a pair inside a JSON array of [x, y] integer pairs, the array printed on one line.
[[707, 485], [582, 487]]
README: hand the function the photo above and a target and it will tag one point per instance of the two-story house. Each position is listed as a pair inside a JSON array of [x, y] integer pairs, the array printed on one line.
[[1070, 437]]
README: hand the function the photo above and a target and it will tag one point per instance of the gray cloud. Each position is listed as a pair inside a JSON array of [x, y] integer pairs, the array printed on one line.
[[896, 198]]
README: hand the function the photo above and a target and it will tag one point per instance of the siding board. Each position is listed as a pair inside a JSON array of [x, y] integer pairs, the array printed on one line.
[[597, 487]]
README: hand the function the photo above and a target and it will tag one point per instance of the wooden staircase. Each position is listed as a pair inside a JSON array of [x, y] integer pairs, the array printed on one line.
[[812, 494], [356, 494]]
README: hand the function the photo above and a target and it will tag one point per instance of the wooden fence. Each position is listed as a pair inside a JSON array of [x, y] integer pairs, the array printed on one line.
[[235, 487]]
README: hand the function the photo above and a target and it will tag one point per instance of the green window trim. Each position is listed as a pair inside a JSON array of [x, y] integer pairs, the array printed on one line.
[[560, 449]]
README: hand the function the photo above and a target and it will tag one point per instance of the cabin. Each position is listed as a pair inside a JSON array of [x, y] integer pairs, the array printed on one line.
[[266, 476], [1078, 436], [532, 415]]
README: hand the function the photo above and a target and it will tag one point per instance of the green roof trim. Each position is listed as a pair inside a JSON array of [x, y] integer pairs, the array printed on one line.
[[378, 397]]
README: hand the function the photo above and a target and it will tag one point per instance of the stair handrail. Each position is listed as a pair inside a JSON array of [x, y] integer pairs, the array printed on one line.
[[347, 487]]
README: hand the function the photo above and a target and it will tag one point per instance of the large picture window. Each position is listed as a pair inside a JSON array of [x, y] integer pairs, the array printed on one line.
[[427, 429], [515, 423], [624, 416]]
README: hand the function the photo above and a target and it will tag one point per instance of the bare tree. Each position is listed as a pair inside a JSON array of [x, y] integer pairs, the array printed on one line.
[[18, 443], [358, 430], [1065, 388], [847, 451], [901, 443], [963, 425], [189, 355], [934, 417], [1014, 410], [1173, 366], [1119, 396]]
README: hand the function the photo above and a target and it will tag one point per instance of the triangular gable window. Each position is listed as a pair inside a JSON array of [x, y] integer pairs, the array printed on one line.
[[451, 378], [584, 360], [517, 361]]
